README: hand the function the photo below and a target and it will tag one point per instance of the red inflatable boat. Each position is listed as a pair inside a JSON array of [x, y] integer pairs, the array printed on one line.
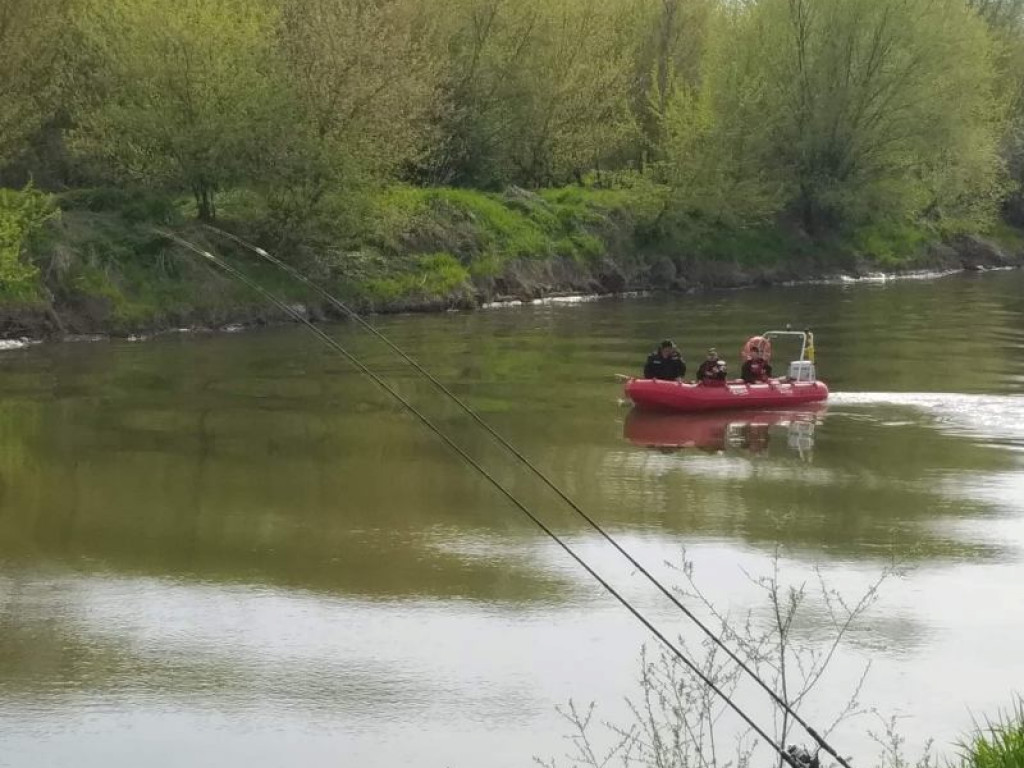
[[799, 387]]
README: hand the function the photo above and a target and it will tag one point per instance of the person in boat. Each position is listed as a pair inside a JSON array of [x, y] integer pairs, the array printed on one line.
[[756, 370], [712, 372], [665, 363]]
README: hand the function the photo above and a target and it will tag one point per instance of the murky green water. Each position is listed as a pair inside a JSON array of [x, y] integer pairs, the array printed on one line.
[[232, 550]]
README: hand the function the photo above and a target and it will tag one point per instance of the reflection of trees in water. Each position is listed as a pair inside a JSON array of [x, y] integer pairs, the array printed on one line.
[[351, 502], [358, 500]]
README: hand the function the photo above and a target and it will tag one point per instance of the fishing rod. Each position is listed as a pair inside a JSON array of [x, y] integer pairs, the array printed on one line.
[[537, 472], [461, 452]]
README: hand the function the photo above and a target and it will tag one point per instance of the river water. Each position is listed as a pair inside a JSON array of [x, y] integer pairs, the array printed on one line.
[[231, 549]]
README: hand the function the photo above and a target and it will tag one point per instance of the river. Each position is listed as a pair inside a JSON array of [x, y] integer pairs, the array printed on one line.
[[231, 549]]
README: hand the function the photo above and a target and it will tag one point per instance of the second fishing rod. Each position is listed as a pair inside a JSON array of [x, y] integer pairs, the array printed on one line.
[[349, 312]]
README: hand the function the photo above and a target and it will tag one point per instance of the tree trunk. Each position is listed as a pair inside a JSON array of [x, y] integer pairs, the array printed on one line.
[[205, 205]]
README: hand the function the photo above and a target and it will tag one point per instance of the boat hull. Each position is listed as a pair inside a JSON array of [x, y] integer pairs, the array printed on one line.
[[684, 397]]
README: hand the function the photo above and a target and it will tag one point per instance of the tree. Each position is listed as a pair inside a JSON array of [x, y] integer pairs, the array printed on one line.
[[30, 68], [535, 92], [486, 41], [873, 109], [361, 85], [1005, 19], [671, 42], [182, 91], [573, 112], [713, 158]]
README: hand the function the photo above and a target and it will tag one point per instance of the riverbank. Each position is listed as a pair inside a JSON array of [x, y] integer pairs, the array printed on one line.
[[99, 265]]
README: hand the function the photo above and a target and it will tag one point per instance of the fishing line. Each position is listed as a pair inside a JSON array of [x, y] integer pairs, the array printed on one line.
[[439, 433], [440, 386]]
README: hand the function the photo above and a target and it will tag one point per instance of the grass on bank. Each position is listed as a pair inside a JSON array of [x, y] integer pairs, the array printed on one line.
[[998, 744], [92, 254]]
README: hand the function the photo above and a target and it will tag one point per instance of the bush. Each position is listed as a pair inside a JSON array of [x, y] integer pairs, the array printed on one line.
[[22, 216], [133, 204]]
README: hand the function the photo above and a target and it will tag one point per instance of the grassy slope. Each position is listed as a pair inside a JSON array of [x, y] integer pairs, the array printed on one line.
[[104, 269]]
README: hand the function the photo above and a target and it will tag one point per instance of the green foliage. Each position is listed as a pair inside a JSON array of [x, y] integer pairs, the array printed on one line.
[[361, 139], [180, 96], [22, 216], [359, 84], [429, 277], [671, 49], [31, 68], [536, 92], [133, 204], [890, 242], [866, 110], [487, 231], [997, 744], [1005, 20]]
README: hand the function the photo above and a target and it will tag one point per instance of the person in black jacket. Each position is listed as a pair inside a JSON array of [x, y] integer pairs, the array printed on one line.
[[665, 363]]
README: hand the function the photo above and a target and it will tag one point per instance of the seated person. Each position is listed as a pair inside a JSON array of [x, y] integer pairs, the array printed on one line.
[[712, 371], [665, 363], [756, 370]]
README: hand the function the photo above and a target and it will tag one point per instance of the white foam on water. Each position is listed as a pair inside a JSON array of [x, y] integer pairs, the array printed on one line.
[[11, 344], [583, 298], [988, 416]]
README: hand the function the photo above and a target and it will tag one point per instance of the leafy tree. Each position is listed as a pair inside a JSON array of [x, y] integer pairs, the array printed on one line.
[[1005, 19], [30, 68], [361, 86], [573, 107], [181, 92], [486, 42], [671, 43], [714, 156], [536, 92], [873, 109]]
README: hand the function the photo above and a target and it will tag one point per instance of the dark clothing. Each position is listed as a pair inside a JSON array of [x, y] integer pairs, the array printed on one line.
[[755, 371], [664, 368], [710, 373]]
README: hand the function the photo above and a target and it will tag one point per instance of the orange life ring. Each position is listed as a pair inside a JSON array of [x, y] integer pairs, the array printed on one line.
[[757, 342]]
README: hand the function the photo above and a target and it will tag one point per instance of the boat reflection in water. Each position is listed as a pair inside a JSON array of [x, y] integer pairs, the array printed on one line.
[[725, 430]]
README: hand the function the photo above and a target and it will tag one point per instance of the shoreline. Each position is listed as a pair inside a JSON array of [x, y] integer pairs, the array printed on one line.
[[321, 313], [98, 271]]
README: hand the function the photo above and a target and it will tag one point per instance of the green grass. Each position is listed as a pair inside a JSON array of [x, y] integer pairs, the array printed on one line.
[[998, 744], [891, 244], [428, 245], [429, 277], [404, 246], [485, 231], [131, 278], [1008, 237]]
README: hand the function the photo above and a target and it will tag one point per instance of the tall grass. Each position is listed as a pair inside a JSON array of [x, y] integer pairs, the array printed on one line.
[[998, 744]]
